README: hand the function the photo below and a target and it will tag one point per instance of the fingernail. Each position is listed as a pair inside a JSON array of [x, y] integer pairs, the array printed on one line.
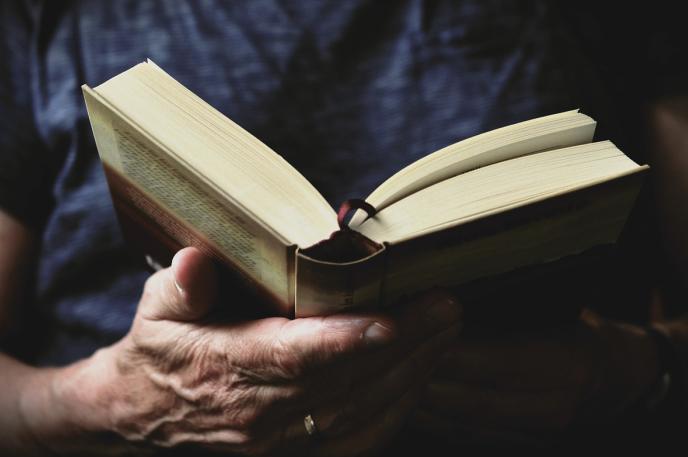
[[443, 312], [377, 334], [179, 288]]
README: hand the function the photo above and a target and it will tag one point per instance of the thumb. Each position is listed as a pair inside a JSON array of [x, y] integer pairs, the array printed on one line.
[[185, 291]]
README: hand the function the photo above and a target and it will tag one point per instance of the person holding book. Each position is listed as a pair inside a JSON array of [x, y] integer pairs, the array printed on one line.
[[348, 93]]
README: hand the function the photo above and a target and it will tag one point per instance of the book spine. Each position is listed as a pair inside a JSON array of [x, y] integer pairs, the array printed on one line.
[[329, 287]]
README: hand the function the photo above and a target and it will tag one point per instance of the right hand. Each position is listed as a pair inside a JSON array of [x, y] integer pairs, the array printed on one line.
[[246, 387]]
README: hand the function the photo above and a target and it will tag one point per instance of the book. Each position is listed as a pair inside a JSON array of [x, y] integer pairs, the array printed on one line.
[[181, 173]]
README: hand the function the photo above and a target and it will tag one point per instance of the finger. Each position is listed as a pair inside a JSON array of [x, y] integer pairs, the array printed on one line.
[[295, 347], [309, 362], [474, 405], [442, 428], [183, 292], [333, 375], [373, 433], [385, 334], [331, 350], [519, 364], [413, 371], [419, 320], [305, 363], [368, 399]]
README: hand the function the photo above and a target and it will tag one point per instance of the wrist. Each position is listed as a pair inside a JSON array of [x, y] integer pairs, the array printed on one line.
[[65, 410]]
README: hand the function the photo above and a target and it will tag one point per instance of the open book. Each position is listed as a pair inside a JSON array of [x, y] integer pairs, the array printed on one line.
[[181, 174]]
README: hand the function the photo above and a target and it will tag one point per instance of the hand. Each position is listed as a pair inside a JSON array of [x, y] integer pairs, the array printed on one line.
[[529, 388], [178, 378]]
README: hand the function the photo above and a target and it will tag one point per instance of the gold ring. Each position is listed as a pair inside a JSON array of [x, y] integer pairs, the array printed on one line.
[[309, 423]]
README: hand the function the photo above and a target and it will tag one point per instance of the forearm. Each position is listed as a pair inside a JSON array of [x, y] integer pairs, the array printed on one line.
[[54, 410], [14, 434]]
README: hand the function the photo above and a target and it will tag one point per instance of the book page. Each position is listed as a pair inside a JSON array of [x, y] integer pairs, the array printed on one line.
[[186, 199], [497, 188], [567, 225], [227, 157], [188, 210], [560, 130]]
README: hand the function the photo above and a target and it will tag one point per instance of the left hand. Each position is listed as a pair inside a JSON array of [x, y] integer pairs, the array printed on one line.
[[527, 388]]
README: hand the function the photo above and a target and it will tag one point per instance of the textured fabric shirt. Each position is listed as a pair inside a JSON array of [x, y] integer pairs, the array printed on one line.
[[348, 92]]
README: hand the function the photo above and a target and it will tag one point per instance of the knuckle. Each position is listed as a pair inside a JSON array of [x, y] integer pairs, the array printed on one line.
[[249, 438], [251, 408], [246, 422], [152, 284], [253, 446], [288, 362]]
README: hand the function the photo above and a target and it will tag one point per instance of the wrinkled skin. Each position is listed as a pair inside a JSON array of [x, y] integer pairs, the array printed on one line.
[[179, 379]]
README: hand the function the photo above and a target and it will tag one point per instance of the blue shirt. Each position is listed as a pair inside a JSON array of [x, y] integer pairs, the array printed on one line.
[[348, 92]]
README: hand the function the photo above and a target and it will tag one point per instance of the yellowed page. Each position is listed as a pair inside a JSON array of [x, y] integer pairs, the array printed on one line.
[[198, 212], [549, 132]]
